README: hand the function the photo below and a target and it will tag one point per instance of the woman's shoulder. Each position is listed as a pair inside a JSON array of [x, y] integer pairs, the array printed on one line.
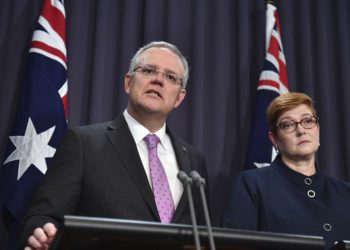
[[337, 182], [258, 175]]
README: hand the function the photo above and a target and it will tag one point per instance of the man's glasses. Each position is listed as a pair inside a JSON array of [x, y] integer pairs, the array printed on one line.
[[153, 72], [290, 126]]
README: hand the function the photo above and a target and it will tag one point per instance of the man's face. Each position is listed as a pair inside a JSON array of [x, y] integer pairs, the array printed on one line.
[[155, 94]]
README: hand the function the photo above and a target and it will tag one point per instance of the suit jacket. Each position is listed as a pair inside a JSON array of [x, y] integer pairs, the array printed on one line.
[[97, 171]]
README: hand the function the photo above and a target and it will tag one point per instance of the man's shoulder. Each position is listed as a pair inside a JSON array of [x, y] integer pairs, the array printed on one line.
[[99, 127], [93, 126], [183, 144]]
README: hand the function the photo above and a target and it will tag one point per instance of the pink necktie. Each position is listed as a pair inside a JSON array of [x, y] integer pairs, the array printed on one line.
[[161, 189]]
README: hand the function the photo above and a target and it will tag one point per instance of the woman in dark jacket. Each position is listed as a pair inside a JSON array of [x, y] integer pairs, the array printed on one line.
[[291, 196]]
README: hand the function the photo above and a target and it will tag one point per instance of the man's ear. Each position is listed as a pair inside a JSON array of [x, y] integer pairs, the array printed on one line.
[[180, 98], [127, 82]]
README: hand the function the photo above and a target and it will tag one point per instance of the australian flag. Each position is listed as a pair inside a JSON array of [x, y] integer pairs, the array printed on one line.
[[273, 82], [41, 118]]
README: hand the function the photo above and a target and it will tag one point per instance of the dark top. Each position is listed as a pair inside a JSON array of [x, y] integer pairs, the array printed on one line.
[[279, 199], [97, 171]]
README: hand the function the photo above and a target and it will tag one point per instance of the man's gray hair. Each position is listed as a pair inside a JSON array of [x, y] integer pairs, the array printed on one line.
[[161, 44]]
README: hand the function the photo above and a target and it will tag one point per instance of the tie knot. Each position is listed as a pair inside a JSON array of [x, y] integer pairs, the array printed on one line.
[[151, 140]]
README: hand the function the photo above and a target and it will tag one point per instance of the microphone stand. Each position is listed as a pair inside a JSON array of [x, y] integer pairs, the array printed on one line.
[[200, 183], [187, 182]]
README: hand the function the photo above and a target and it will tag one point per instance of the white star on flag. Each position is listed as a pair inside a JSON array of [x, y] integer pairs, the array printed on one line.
[[273, 156], [32, 148]]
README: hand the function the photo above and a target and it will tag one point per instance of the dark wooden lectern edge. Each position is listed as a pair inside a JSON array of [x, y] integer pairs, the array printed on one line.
[[98, 229]]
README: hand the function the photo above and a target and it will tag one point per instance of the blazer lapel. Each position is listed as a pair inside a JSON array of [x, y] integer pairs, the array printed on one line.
[[183, 161], [123, 142]]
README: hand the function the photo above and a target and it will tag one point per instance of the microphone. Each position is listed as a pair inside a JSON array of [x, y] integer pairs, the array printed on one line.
[[187, 182], [200, 183]]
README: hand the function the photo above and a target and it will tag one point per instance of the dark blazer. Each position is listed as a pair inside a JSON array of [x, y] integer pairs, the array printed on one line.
[[279, 199], [97, 171]]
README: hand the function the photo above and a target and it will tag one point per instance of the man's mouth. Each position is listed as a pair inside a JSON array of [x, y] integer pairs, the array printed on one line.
[[152, 91]]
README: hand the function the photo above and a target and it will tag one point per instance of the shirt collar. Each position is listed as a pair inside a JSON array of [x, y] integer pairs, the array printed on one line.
[[139, 131]]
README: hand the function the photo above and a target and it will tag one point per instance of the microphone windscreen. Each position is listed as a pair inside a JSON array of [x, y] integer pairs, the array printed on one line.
[[183, 177], [197, 178]]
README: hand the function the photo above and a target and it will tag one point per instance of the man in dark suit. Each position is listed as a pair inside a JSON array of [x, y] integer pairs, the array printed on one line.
[[103, 169]]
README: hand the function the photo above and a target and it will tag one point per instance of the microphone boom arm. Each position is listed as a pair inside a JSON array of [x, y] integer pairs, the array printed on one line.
[[187, 182], [200, 183]]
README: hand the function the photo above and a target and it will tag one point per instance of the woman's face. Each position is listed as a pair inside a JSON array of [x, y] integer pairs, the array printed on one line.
[[300, 144]]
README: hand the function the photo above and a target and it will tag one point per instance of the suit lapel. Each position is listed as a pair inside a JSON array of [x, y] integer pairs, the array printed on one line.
[[123, 142], [182, 157], [124, 145]]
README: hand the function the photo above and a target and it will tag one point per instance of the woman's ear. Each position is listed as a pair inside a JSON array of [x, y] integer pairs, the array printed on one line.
[[273, 138]]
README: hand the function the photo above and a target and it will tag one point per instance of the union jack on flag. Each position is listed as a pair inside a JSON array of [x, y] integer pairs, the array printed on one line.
[[273, 82], [41, 118]]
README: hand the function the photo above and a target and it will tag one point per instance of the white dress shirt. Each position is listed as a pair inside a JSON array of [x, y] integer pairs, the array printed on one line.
[[165, 152]]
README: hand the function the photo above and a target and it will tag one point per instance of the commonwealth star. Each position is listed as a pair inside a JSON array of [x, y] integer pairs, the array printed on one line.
[[32, 148]]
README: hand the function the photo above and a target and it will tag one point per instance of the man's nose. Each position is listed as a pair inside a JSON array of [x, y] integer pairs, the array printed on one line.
[[158, 79], [160, 75]]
